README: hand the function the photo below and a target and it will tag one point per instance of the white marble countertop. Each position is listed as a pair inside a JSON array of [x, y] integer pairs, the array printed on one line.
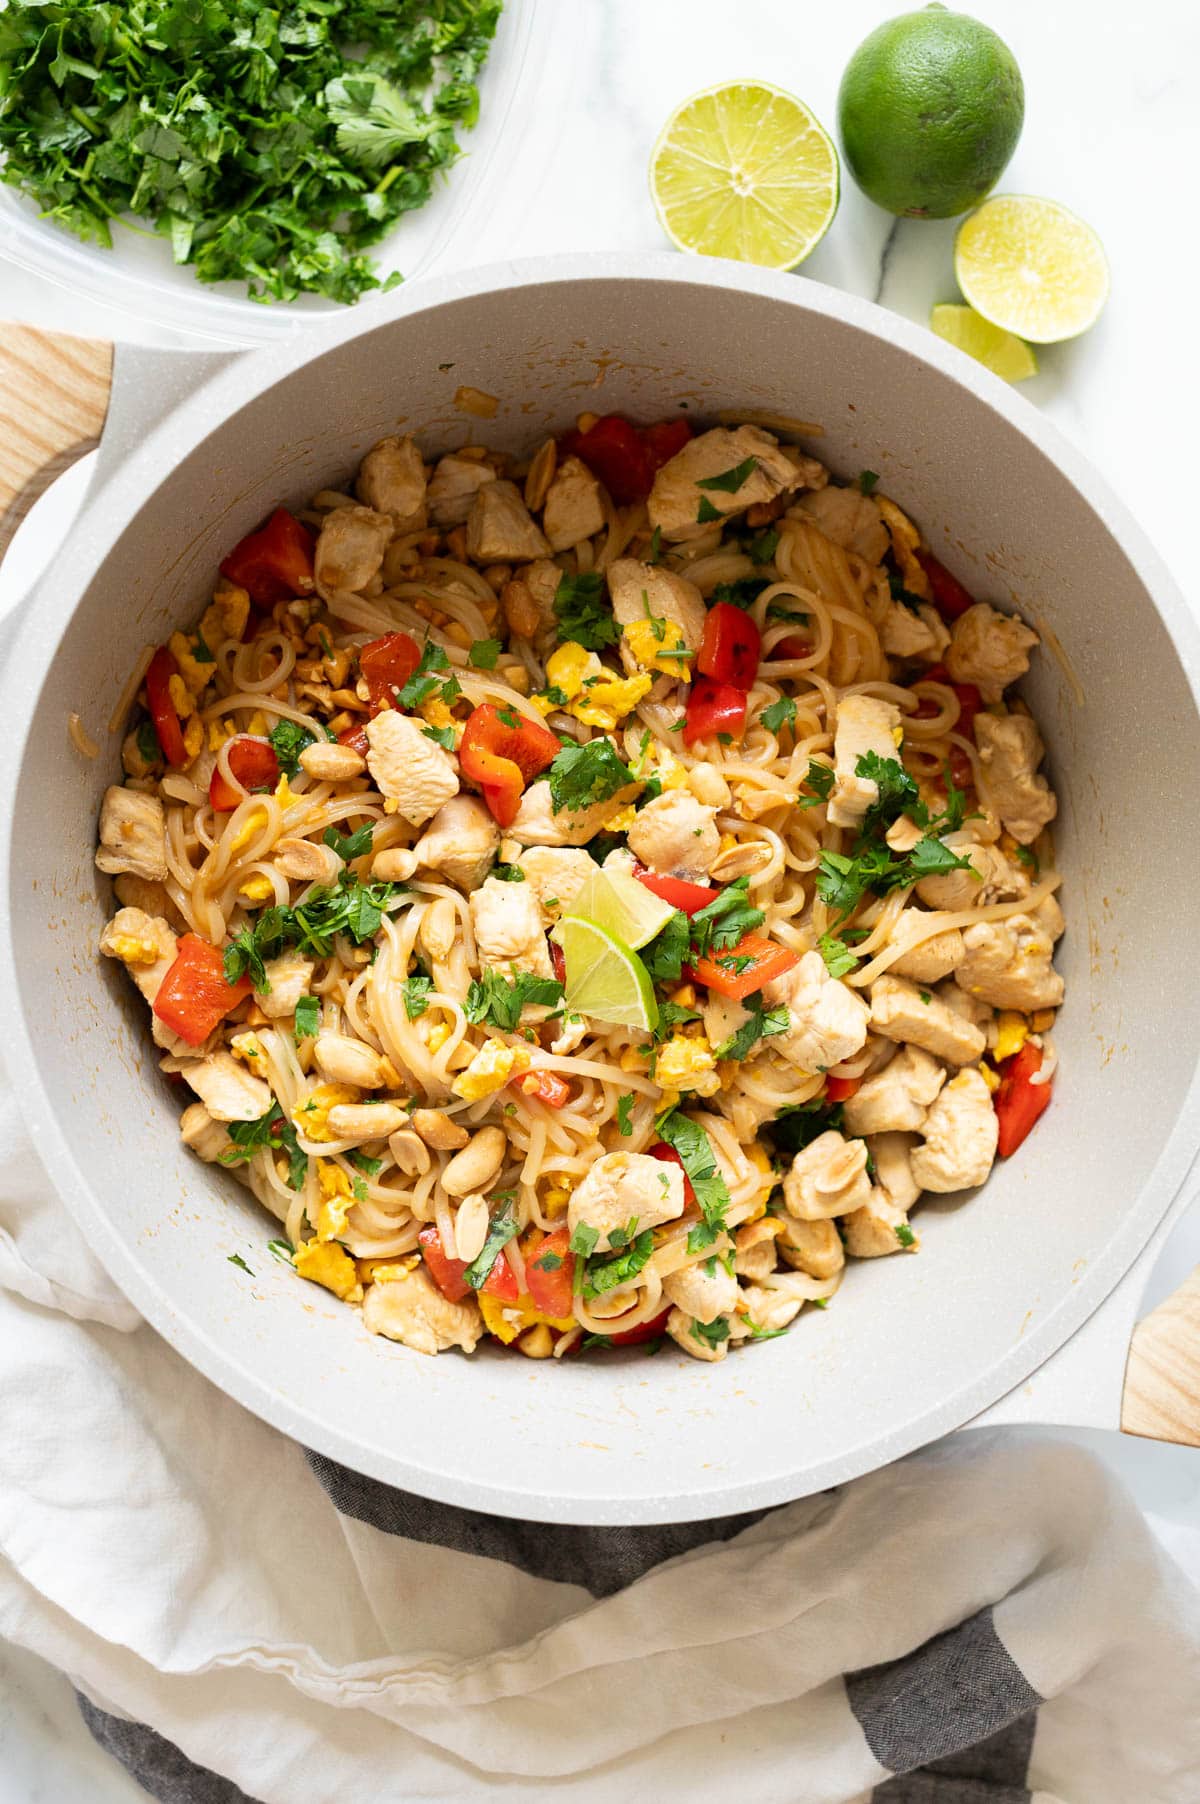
[[1111, 122]]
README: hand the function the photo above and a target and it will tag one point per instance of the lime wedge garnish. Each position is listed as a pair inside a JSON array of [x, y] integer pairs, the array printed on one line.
[[622, 906], [745, 171], [605, 979], [1031, 267], [997, 350]]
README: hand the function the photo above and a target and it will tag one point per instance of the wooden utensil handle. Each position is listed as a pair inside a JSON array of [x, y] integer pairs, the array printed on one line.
[[54, 393], [53, 400]]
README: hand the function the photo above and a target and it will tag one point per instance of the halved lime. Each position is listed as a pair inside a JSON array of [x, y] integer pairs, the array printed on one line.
[[622, 906], [1031, 267], [999, 351], [745, 170], [605, 979]]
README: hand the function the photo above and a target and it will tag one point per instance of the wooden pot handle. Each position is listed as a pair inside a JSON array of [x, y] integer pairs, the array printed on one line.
[[1162, 1379], [54, 393]]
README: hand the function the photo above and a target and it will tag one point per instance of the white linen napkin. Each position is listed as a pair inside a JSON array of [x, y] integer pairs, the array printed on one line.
[[995, 1606]]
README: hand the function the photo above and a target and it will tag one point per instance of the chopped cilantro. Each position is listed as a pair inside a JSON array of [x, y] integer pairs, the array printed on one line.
[[670, 1016], [147, 742], [422, 683], [914, 603], [557, 696], [925, 995], [711, 1333], [1028, 857], [352, 845], [500, 999], [700, 1164], [507, 873], [776, 714], [308, 1018], [819, 778], [350, 907], [798, 1124], [730, 481], [839, 960], [761, 1025], [359, 1159], [655, 551], [867, 480], [584, 617], [720, 924], [583, 774], [501, 1230], [415, 991], [663, 957], [236, 1259], [905, 1235], [625, 1115], [443, 736], [764, 547], [601, 1275], [272, 1131], [707, 512], [484, 653], [281, 1250], [741, 594], [289, 739]]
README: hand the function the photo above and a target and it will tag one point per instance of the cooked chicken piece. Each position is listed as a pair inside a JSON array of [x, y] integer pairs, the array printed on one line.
[[207, 1138], [573, 509], [865, 724], [901, 1011], [351, 547], [705, 1289], [677, 493], [643, 597], [133, 834], [151, 897], [344, 1060], [907, 635], [989, 649], [971, 1009], [1007, 963], [228, 1091], [145, 946], [905, 539], [507, 918], [682, 1329], [537, 824], [931, 959], [556, 875], [411, 1309], [1050, 918], [896, 1098], [676, 835], [392, 481], [876, 1229], [814, 1247], [411, 770], [850, 519], [892, 1157], [289, 976], [754, 1249], [828, 1021], [1010, 750], [529, 599], [460, 841], [828, 1177], [622, 1187], [453, 487], [769, 1309], [960, 1136], [992, 877], [500, 528]]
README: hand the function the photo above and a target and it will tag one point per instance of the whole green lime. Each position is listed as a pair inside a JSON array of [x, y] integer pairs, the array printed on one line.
[[930, 110]]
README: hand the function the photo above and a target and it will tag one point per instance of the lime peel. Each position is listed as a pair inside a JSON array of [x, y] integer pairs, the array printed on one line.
[[745, 170], [1002, 352]]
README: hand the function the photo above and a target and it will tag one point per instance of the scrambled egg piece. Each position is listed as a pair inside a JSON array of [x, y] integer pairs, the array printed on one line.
[[436, 713], [1012, 1031], [490, 1070], [595, 695], [247, 1047], [218, 732], [622, 822], [257, 888], [197, 673], [312, 1115], [991, 1078], [324, 1262], [337, 1200], [507, 1320], [761, 1160], [437, 1036], [248, 829], [131, 949], [259, 726], [181, 697], [667, 768], [555, 1200], [386, 1271], [653, 641], [283, 794], [681, 1061], [227, 617]]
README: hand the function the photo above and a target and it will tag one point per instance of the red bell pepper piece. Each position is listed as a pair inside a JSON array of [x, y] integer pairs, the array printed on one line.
[[634, 1337], [447, 1272], [730, 649], [841, 1089], [502, 758], [545, 1087], [725, 972], [161, 668], [255, 766], [1019, 1102], [355, 737], [666, 1154], [949, 597], [275, 562], [665, 440], [969, 703], [550, 1274], [792, 646], [386, 665], [714, 708], [194, 997], [558, 959], [687, 897]]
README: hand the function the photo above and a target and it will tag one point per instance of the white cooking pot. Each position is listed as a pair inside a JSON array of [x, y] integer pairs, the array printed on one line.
[[912, 1347]]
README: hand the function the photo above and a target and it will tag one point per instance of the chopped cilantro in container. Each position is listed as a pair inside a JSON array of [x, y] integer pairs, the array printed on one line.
[[268, 146]]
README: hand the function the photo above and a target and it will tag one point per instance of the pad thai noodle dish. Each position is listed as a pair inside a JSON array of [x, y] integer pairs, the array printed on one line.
[[591, 896]]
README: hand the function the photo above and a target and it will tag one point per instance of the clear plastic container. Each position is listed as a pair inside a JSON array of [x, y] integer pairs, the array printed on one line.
[[138, 278]]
